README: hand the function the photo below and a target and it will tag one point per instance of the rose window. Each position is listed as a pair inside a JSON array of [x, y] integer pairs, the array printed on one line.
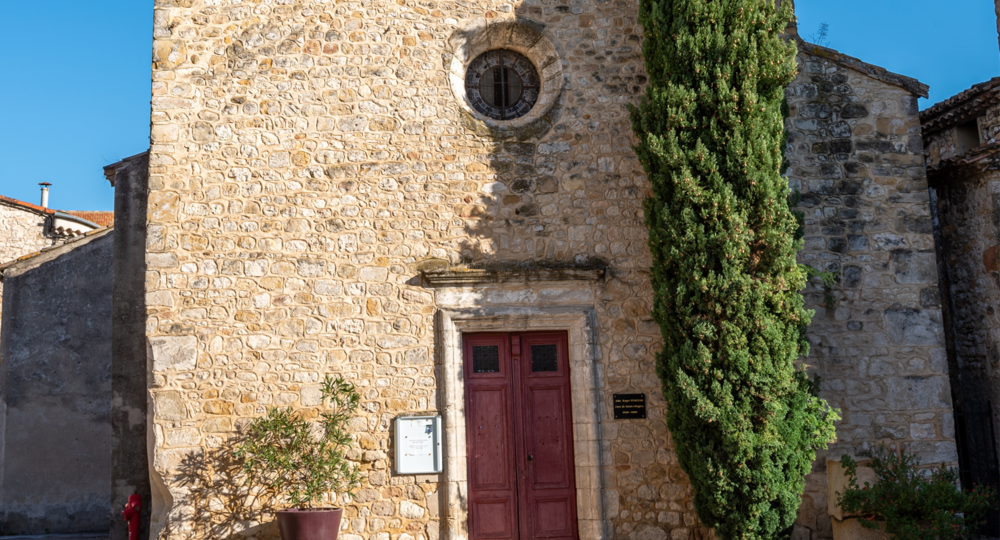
[[502, 84]]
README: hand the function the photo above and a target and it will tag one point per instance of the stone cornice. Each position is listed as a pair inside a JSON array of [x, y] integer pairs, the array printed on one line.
[[475, 276], [111, 171]]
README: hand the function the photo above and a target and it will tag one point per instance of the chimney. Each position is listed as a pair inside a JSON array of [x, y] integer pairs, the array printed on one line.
[[45, 189]]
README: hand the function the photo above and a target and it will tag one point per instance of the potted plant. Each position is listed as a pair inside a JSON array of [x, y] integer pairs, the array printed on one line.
[[910, 502], [300, 461]]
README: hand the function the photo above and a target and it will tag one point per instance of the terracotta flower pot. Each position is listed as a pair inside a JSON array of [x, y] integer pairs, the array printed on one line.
[[851, 529], [309, 524]]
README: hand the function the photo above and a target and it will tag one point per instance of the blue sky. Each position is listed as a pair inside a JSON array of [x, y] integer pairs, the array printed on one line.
[[75, 90], [948, 45]]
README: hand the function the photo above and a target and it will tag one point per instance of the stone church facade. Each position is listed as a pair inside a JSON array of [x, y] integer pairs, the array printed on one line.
[[327, 194]]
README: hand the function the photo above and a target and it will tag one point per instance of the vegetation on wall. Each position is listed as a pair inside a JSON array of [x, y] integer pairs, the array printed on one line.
[[726, 283]]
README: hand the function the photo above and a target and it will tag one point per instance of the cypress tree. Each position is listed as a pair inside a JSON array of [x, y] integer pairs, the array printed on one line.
[[726, 284]]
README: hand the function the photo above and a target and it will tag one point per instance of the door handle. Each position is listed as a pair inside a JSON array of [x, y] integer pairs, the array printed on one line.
[[530, 458]]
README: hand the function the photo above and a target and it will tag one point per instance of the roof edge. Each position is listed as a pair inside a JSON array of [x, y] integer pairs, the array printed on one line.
[[77, 219], [962, 107], [34, 260], [909, 84], [111, 171], [95, 216], [41, 210]]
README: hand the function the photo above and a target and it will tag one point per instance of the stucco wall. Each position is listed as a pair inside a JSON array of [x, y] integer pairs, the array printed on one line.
[[878, 341], [129, 403], [56, 391]]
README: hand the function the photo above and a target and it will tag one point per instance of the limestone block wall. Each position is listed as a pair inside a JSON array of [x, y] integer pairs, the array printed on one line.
[[964, 187], [877, 337], [21, 233], [970, 231], [129, 396], [309, 159]]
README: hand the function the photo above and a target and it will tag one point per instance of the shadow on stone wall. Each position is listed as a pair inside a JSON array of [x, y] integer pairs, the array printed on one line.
[[570, 197], [218, 503]]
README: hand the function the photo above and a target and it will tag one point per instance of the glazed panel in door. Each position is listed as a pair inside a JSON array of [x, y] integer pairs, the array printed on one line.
[[549, 485], [489, 405]]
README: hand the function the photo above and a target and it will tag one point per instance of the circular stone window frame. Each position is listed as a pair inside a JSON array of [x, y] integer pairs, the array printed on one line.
[[523, 37]]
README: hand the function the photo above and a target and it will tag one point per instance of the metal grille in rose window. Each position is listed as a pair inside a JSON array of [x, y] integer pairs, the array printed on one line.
[[502, 84]]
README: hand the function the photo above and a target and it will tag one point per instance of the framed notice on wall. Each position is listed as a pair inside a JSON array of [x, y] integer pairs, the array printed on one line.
[[418, 445]]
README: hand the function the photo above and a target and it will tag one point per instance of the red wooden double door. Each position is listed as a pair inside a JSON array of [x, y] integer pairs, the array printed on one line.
[[520, 436]]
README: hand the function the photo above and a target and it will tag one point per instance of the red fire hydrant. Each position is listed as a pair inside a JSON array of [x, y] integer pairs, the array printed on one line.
[[131, 514]]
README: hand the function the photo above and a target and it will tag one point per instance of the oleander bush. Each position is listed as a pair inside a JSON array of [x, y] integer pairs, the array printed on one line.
[[301, 461]]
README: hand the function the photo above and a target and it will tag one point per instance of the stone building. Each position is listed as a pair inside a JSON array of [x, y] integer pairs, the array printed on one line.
[[419, 196], [878, 343], [27, 228], [55, 389], [962, 163]]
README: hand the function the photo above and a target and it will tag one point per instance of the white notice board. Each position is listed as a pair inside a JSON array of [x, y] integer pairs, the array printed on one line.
[[418, 445]]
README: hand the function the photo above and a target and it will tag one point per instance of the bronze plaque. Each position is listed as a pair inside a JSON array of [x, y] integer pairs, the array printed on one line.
[[629, 406]]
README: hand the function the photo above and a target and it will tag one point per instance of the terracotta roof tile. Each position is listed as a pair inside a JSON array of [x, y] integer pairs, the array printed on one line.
[[27, 206], [961, 108], [104, 219]]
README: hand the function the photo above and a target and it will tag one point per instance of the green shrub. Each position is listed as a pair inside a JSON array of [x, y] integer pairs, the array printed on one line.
[[287, 455], [725, 280], [913, 503]]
